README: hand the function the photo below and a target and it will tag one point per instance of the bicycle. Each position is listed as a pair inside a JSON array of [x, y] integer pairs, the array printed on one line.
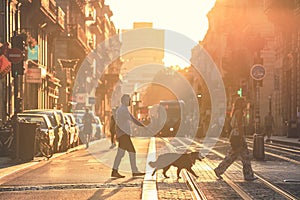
[[7, 141], [42, 144]]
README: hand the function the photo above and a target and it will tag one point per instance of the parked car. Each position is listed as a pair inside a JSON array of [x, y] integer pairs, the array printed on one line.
[[56, 124], [44, 123], [74, 130], [99, 128], [65, 140]]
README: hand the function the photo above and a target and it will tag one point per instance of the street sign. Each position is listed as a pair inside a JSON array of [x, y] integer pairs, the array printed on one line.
[[258, 72], [14, 55]]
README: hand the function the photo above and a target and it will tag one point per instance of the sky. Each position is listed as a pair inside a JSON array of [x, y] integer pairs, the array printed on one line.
[[184, 17]]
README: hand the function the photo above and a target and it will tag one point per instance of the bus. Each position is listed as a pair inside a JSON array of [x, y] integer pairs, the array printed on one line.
[[174, 112]]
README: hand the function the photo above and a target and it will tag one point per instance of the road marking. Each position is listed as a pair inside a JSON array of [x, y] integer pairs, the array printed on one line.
[[149, 183]]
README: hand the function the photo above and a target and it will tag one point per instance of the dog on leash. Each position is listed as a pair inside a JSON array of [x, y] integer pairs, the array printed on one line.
[[181, 161]]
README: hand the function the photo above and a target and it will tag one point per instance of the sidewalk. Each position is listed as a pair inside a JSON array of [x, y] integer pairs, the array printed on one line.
[[7, 165], [285, 140]]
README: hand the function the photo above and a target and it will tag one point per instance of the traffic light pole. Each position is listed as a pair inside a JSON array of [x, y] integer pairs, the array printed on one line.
[[16, 92], [257, 108]]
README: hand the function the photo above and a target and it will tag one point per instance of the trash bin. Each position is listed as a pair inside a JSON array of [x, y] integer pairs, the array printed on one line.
[[26, 144], [292, 129], [258, 147]]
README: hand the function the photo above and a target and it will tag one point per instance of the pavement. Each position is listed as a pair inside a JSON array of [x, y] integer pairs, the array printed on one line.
[[286, 140], [9, 166]]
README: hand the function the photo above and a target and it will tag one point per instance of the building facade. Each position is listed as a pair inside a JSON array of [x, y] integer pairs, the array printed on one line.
[[244, 33], [58, 37]]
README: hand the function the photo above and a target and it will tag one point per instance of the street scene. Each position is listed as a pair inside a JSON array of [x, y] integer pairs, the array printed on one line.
[[152, 100]]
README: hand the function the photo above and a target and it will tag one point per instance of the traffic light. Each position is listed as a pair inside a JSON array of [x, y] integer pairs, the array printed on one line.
[[240, 92], [19, 42], [17, 69]]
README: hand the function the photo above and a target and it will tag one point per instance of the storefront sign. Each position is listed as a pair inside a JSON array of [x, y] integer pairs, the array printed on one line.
[[34, 75], [33, 53], [81, 98]]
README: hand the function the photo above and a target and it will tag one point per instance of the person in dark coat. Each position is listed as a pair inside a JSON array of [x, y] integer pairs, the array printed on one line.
[[87, 121], [238, 121], [123, 133], [112, 128], [269, 124]]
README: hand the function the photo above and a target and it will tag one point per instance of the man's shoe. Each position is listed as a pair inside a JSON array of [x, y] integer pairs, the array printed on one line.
[[116, 174], [138, 174], [217, 174]]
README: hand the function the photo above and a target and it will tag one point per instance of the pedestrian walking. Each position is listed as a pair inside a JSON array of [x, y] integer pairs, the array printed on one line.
[[123, 132], [112, 129], [269, 124], [239, 148], [87, 121]]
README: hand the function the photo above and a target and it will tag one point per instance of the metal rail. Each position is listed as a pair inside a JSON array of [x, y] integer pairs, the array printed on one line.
[[234, 186], [197, 194], [281, 157], [263, 180]]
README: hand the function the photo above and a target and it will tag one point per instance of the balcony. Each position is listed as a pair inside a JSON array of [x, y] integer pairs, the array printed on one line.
[[76, 32], [60, 17], [96, 26], [49, 8], [297, 10]]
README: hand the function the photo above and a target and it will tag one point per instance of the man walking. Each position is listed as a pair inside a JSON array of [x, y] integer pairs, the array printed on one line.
[[87, 120], [112, 128], [123, 132]]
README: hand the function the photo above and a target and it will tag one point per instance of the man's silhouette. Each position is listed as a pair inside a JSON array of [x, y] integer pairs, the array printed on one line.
[[123, 132]]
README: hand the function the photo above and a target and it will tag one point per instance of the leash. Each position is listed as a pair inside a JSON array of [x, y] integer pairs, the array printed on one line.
[[165, 140]]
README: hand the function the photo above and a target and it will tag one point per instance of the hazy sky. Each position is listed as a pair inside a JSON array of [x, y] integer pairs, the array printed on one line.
[[185, 17]]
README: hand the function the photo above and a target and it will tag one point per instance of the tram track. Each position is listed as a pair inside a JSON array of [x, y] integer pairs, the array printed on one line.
[[196, 192], [234, 186], [283, 153], [277, 151], [263, 180]]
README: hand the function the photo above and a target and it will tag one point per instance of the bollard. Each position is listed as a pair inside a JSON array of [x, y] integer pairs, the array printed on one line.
[[258, 147], [292, 129]]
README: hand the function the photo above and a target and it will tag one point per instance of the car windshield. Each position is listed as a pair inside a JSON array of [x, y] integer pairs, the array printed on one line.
[[35, 119], [52, 119], [51, 114]]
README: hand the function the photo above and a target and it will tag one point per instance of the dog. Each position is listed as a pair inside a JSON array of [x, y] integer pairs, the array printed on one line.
[[181, 161]]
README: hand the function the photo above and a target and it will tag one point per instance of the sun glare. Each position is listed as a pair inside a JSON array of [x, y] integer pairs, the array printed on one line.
[[188, 18]]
